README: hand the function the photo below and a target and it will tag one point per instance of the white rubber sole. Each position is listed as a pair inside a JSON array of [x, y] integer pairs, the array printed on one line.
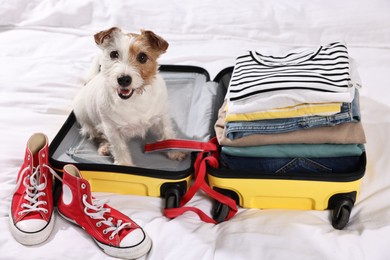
[[27, 238], [132, 252]]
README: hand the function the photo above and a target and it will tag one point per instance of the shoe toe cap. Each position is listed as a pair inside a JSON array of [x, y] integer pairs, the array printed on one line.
[[134, 238], [31, 225]]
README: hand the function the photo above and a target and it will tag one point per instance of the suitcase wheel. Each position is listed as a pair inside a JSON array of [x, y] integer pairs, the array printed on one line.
[[221, 212], [341, 212], [172, 198], [172, 193]]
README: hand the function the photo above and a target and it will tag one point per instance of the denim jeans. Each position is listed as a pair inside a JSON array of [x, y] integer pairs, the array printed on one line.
[[350, 112], [291, 165]]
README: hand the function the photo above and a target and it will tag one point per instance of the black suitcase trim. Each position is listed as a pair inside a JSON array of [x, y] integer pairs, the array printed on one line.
[[185, 68]]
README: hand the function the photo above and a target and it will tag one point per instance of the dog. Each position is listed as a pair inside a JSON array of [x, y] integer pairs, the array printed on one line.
[[125, 96]]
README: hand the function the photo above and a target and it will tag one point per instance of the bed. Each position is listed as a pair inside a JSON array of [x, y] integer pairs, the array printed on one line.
[[46, 47]]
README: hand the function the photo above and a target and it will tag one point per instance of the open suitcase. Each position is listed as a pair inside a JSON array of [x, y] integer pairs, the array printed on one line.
[[194, 103]]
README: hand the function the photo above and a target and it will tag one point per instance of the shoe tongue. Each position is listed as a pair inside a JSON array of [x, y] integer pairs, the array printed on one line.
[[37, 177], [33, 177], [35, 161], [34, 164]]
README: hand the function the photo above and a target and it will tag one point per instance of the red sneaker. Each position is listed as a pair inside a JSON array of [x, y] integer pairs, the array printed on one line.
[[30, 218], [113, 231]]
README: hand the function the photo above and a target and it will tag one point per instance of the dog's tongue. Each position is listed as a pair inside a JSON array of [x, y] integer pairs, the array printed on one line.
[[125, 93]]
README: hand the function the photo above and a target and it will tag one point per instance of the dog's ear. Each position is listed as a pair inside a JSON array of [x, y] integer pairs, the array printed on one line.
[[103, 37], [155, 41]]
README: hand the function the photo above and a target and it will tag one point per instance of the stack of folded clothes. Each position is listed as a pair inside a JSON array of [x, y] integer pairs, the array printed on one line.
[[293, 113]]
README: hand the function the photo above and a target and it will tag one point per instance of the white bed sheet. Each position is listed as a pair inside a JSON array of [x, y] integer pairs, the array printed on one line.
[[46, 46]]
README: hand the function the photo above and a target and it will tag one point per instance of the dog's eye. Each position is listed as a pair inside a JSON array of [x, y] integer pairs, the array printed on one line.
[[142, 58], [114, 55]]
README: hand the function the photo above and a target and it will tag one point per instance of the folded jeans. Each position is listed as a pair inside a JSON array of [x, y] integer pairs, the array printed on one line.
[[350, 112], [291, 165]]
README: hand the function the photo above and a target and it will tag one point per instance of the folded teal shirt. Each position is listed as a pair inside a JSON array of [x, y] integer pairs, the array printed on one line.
[[296, 150]]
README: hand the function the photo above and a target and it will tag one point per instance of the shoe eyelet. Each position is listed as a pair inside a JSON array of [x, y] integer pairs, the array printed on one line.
[[19, 213], [98, 224], [83, 186], [111, 238], [45, 211], [105, 232]]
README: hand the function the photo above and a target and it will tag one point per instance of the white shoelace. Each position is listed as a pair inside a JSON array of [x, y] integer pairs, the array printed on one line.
[[98, 207], [34, 190]]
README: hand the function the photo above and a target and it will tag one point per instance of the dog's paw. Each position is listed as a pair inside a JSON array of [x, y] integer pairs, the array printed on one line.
[[104, 149], [177, 156]]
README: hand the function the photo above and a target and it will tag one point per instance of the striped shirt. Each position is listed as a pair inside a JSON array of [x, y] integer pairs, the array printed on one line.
[[322, 75]]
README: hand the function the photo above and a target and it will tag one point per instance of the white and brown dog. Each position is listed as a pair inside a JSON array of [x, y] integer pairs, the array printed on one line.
[[125, 96]]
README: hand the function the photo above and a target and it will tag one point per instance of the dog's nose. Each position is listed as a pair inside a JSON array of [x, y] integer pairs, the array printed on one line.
[[124, 81]]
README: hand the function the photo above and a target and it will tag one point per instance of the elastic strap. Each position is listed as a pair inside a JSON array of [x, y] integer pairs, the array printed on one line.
[[180, 145], [208, 155]]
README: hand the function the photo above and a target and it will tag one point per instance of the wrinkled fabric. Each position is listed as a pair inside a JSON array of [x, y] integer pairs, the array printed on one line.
[[47, 45]]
